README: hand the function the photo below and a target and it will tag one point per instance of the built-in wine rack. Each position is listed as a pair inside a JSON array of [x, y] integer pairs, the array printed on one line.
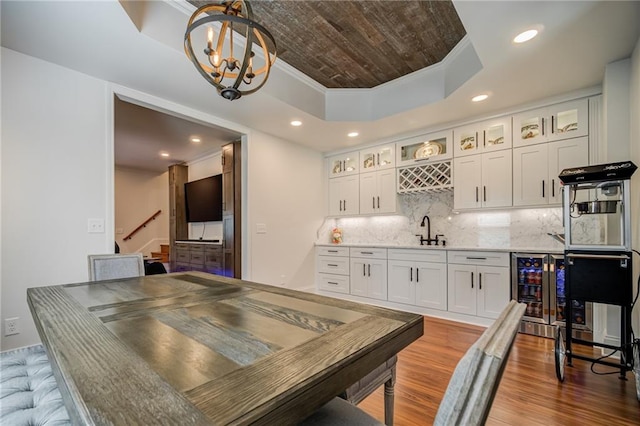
[[431, 177]]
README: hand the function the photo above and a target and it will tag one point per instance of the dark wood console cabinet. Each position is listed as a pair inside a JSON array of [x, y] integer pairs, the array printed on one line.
[[222, 259], [198, 256]]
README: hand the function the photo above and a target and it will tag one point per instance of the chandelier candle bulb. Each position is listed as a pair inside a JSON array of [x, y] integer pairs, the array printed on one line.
[[232, 77]]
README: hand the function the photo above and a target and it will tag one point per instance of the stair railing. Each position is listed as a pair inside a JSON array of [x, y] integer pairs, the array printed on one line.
[[144, 224]]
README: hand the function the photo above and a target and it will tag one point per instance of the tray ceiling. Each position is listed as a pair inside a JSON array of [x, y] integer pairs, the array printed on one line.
[[359, 44]]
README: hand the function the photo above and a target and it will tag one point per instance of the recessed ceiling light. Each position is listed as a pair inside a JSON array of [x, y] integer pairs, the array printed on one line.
[[480, 98], [525, 36], [296, 123], [353, 134], [164, 154], [196, 140]]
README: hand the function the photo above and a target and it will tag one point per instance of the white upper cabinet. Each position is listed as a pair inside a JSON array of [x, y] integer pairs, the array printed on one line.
[[378, 192], [425, 148], [344, 196], [344, 164], [377, 158], [489, 135], [482, 180], [561, 121], [536, 169]]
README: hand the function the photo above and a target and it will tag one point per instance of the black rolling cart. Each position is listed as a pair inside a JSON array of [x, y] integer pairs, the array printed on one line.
[[598, 256]]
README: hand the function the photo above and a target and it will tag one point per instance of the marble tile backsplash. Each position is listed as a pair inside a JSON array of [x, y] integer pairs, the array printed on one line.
[[513, 228]]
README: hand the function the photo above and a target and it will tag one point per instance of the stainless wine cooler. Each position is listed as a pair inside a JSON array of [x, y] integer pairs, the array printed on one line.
[[539, 281]]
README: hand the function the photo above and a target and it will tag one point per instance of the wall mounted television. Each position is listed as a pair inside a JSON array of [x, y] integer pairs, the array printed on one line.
[[203, 199]]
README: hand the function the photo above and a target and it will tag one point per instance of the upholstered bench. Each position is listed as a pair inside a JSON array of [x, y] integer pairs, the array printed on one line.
[[29, 393]]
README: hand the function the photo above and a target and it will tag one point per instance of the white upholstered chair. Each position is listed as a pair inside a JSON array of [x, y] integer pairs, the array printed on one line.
[[113, 266], [471, 389]]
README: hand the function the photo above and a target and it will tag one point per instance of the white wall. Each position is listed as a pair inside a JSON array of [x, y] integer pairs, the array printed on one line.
[[616, 100], [634, 130], [138, 194], [285, 194], [56, 165], [55, 176], [210, 165]]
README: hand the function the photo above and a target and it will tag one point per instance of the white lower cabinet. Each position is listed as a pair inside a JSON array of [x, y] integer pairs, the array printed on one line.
[[332, 269], [478, 284], [474, 283], [417, 277], [369, 272]]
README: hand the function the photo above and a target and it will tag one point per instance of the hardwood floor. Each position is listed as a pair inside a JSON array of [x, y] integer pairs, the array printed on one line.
[[529, 393]]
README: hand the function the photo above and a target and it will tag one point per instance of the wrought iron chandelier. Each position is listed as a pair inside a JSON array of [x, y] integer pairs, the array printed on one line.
[[232, 76]]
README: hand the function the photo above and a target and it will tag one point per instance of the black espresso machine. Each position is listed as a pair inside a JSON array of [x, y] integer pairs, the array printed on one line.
[[598, 254]]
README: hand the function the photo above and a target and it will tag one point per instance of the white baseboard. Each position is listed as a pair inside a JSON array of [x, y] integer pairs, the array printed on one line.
[[152, 245]]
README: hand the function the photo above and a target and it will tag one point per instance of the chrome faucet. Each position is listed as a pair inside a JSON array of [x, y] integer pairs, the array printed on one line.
[[429, 240]]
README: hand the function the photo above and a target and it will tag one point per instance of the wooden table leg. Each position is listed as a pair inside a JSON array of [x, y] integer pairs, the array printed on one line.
[[389, 398]]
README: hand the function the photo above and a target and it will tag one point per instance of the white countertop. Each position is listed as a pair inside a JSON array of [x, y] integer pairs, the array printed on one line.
[[211, 242], [553, 250]]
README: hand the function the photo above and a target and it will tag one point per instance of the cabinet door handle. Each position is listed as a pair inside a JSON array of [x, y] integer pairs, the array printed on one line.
[[472, 280], [332, 264], [543, 126], [340, 205], [552, 125], [344, 166], [378, 201], [476, 258], [476, 194], [332, 251], [484, 138], [480, 280], [366, 252], [364, 270], [344, 205], [378, 157], [417, 275], [373, 200], [553, 187], [543, 188], [410, 274], [369, 270], [331, 282], [484, 193], [476, 140]]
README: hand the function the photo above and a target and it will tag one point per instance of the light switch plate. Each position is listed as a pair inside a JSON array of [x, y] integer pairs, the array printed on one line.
[[261, 228], [96, 226]]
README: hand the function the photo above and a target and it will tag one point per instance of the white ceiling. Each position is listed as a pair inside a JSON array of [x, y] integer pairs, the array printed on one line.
[[141, 48], [142, 135]]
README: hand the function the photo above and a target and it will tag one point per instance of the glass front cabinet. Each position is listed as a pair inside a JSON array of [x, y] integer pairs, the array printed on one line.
[[561, 121], [425, 148], [377, 158], [490, 135], [343, 164]]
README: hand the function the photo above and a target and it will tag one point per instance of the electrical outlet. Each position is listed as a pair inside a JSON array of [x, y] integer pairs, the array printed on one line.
[[95, 226], [11, 326]]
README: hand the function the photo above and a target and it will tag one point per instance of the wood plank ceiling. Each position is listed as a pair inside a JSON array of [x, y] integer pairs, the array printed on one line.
[[359, 44]]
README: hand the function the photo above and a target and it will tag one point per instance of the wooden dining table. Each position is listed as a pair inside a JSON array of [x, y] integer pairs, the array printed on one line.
[[195, 348]]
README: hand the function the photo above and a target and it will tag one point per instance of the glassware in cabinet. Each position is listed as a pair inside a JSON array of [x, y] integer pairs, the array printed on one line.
[[377, 158], [343, 164], [425, 148], [488, 135]]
